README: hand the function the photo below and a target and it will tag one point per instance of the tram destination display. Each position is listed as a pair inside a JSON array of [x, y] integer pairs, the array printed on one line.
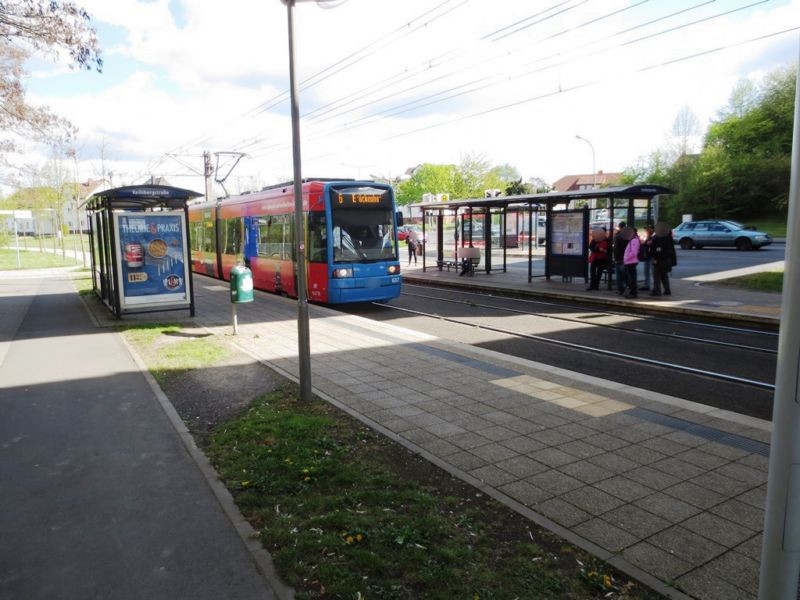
[[361, 197]]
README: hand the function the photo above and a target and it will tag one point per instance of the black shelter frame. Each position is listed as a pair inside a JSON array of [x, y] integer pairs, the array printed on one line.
[[620, 199], [135, 198]]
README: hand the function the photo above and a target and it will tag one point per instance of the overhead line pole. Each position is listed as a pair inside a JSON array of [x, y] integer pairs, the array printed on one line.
[[303, 333], [780, 555]]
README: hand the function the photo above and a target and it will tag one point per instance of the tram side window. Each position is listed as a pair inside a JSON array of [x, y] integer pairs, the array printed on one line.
[[275, 237], [317, 238], [232, 236], [197, 236], [209, 237]]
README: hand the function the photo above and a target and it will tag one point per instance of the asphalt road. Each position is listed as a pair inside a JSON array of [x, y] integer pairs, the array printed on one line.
[[602, 344], [100, 498]]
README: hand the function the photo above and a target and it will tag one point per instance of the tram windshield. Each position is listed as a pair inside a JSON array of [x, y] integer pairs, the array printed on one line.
[[363, 225]]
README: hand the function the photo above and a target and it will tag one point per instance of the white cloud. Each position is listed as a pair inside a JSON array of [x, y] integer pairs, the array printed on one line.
[[203, 71]]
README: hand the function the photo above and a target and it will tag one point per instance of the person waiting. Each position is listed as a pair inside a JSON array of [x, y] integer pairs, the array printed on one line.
[[619, 253], [599, 256], [662, 252], [467, 255], [630, 259], [412, 248]]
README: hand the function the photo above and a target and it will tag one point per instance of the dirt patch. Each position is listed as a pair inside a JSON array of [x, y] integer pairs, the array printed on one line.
[[206, 398]]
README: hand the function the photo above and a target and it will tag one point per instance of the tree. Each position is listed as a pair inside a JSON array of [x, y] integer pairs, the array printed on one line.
[[469, 179], [684, 128], [517, 188], [52, 28], [472, 176], [743, 170], [744, 98], [502, 176], [427, 178]]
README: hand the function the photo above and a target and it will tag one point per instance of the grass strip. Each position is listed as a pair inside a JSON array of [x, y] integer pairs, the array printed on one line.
[[347, 513], [167, 356], [770, 281], [774, 225], [32, 260]]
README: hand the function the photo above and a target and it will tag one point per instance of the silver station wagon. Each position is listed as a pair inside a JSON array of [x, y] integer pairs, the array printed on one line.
[[696, 234]]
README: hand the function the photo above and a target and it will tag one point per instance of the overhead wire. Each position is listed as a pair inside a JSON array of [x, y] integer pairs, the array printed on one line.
[[308, 82], [594, 82], [491, 79], [335, 108], [488, 81], [406, 74], [439, 78], [357, 57]]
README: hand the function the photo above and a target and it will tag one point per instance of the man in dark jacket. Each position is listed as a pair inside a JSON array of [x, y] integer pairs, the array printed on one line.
[[664, 257], [619, 252]]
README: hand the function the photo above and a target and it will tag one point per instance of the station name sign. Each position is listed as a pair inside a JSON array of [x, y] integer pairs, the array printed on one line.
[[149, 192]]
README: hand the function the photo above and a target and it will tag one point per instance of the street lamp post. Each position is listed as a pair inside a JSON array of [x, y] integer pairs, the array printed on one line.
[[303, 336], [594, 162]]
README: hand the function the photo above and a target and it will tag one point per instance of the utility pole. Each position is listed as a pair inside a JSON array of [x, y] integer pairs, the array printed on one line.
[[780, 554], [208, 173], [303, 332]]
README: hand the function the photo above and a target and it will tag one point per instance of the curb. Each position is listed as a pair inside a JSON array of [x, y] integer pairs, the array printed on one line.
[[730, 317], [248, 535]]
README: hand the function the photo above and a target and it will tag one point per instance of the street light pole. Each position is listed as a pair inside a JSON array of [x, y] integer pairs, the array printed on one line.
[[594, 162], [303, 335], [780, 553]]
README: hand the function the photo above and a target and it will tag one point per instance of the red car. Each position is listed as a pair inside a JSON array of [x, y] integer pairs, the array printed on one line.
[[404, 231]]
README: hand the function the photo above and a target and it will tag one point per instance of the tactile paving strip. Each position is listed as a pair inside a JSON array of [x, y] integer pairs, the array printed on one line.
[[703, 431]]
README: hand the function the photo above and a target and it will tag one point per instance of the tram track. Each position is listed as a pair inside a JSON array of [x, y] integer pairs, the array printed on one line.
[[560, 305], [661, 364], [627, 329]]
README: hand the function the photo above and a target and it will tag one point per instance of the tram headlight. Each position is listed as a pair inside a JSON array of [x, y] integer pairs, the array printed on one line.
[[342, 273], [393, 269]]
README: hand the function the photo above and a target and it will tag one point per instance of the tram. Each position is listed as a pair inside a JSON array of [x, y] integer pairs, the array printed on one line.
[[351, 239]]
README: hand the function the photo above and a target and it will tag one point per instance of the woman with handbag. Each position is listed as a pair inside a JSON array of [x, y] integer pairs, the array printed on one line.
[[631, 259]]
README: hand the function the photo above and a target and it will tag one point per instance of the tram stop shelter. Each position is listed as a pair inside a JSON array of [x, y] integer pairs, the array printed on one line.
[[139, 238], [560, 220]]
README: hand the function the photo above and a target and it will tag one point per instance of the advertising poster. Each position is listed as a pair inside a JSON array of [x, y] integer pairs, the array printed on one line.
[[567, 234], [151, 259]]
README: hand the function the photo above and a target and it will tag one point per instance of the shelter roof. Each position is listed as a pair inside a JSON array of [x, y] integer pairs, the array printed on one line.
[[140, 197], [642, 191]]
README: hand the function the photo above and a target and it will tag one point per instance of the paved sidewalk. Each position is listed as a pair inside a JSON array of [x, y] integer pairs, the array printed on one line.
[[667, 490], [100, 498]]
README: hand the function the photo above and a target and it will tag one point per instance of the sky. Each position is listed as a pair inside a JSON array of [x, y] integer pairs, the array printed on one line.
[[388, 85]]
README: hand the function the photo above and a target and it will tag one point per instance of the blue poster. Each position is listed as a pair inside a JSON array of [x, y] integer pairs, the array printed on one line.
[[152, 258]]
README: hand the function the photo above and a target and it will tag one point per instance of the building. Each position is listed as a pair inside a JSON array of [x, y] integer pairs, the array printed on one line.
[[45, 221], [576, 183]]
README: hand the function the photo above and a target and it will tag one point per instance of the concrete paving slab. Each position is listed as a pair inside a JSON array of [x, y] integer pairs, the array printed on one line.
[[602, 470]]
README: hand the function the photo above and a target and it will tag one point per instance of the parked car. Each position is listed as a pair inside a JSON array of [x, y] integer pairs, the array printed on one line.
[[696, 234], [404, 231]]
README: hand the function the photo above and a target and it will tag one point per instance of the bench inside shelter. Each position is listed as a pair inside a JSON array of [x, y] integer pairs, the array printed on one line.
[[473, 254]]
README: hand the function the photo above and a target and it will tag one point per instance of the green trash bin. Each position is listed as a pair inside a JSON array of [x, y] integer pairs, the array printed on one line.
[[241, 285]]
